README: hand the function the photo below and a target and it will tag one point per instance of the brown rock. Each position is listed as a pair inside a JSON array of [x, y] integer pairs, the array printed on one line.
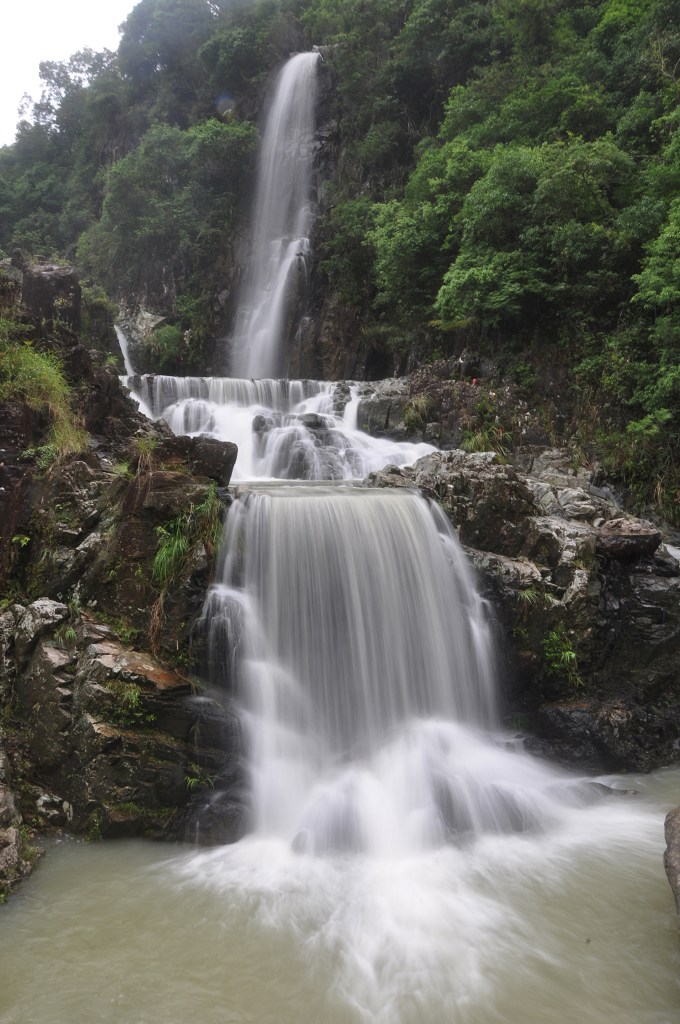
[[134, 665], [671, 857], [627, 539]]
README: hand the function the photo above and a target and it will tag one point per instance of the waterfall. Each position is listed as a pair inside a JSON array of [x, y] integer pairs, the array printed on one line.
[[344, 619], [347, 621], [125, 350], [161, 392], [283, 219], [406, 860]]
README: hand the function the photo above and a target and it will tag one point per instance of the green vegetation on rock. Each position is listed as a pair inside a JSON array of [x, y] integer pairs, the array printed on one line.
[[200, 525], [36, 379], [560, 657]]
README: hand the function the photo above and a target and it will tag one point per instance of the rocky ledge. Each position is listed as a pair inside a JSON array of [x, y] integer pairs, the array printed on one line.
[[104, 740]]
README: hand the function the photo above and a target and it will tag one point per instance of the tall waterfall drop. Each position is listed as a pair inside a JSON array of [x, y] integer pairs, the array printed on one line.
[[284, 429], [283, 219]]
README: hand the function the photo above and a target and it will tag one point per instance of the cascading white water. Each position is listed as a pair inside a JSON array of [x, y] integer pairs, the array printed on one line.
[[161, 392], [361, 655], [124, 350], [283, 219], [284, 429]]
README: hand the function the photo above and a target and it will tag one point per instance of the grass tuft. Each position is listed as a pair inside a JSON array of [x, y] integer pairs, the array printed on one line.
[[36, 379]]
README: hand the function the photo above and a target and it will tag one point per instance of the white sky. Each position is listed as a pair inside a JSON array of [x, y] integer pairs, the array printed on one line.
[[36, 30]]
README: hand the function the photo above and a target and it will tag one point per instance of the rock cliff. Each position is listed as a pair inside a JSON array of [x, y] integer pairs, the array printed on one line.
[[105, 727]]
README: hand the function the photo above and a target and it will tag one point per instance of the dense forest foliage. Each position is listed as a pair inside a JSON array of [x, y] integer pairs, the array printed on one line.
[[506, 176]]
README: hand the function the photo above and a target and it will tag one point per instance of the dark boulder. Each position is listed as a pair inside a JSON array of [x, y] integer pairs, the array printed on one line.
[[609, 736], [51, 295], [204, 456]]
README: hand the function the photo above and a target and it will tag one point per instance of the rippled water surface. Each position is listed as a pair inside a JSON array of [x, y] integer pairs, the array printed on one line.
[[562, 928]]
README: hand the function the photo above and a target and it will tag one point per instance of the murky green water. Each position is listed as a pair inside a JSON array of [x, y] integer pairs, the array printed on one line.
[[568, 927]]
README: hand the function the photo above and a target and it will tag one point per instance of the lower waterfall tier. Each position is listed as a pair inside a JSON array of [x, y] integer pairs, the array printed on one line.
[[347, 621]]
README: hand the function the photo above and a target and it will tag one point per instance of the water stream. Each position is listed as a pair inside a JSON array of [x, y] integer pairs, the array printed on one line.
[[361, 656]]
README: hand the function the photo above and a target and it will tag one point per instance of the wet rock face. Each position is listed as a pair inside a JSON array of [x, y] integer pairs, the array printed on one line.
[[121, 744], [640, 630], [589, 630], [606, 735], [17, 855], [110, 740]]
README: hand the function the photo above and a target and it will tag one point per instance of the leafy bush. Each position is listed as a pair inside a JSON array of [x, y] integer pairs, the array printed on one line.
[[166, 343], [560, 657], [169, 208], [128, 708]]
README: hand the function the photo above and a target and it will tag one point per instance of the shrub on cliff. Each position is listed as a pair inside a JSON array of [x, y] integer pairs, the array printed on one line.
[[36, 380]]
